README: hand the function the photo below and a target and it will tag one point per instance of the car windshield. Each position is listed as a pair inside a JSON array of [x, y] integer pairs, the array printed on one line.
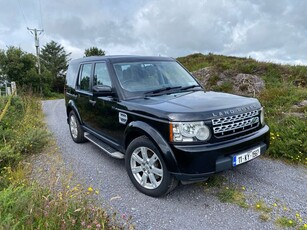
[[150, 77]]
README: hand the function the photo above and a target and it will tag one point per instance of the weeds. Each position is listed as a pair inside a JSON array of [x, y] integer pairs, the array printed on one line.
[[226, 194], [261, 206], [232, 195], [215, 181], [22, 131], [52, 203], [277, 212], [285, 222], [31, 207]]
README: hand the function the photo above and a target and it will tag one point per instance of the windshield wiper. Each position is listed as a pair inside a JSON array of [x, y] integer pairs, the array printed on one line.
[[156, 91], [189, 87]]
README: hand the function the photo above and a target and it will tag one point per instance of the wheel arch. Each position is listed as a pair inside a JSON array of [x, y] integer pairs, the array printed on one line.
[[139, 128], [72, 107]]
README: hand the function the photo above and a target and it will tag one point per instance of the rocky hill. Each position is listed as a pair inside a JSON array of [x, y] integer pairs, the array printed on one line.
[[282, 90]]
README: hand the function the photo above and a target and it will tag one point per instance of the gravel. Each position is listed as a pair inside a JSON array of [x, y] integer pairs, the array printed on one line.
[[187, 207]]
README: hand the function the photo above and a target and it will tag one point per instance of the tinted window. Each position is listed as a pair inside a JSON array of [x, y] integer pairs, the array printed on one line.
[[84, 79], [72, 74], [101, 75]]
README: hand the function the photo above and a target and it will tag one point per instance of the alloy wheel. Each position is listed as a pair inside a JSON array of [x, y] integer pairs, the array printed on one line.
[[146, 167], [73, 126]]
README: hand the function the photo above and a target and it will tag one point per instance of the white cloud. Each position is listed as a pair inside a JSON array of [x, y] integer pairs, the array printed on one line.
[[267, 30]]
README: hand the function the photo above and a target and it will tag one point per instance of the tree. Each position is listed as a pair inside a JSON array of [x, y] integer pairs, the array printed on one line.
[[94, 51], [21, 67], [55, 59]]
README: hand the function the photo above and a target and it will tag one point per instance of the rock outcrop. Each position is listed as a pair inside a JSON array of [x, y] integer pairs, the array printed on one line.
[[244, 84]]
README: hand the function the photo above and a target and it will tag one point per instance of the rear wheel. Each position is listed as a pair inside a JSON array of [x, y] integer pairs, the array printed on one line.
[[75, 128], [147, 169]]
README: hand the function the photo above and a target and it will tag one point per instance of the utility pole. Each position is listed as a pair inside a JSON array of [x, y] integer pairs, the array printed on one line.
[[36, 33]]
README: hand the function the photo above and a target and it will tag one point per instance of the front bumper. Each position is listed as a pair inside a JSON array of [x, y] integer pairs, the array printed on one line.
[[198, 162]]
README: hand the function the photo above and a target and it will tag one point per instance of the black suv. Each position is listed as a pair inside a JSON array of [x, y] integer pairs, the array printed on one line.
[[153, 112]]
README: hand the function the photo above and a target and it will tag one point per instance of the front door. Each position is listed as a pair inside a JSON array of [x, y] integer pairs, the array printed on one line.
[[104, 119]]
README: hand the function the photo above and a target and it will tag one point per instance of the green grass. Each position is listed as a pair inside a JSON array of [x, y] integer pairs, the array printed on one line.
[[261, 206], [285, 222], [285, 87], [32, 207], [214, 181], [226, 194], [53, 96], [25, 204], [232, 195], [22, 131]]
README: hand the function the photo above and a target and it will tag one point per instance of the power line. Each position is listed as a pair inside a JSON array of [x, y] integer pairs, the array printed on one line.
[[22, 13], [40, 12]]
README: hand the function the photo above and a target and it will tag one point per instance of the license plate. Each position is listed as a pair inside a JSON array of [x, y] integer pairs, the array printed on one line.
[[244, 157]]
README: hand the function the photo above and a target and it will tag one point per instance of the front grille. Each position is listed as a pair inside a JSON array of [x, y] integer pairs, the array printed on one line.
[[226, 126]]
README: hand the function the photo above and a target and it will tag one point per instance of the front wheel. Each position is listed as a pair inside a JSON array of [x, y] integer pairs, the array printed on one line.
[[147, 169]]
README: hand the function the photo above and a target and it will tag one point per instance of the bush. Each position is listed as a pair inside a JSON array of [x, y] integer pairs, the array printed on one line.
[[21, 129], [8, 156]]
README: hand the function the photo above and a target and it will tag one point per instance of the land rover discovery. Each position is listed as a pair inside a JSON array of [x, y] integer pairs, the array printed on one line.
[[153, 113]]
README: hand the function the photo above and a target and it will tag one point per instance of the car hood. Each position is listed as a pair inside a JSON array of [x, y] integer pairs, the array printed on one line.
[[192, 106]]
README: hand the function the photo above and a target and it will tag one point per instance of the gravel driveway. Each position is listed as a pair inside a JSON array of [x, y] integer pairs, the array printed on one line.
[[187, 207]]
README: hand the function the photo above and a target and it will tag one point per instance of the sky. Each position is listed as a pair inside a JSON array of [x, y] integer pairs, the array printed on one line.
[[266, 30]]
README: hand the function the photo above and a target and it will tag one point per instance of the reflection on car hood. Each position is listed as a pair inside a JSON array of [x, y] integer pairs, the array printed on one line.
[[187, 106]]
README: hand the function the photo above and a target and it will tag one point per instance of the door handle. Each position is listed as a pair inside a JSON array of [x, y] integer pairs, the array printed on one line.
[[72, 95], [92, 102]]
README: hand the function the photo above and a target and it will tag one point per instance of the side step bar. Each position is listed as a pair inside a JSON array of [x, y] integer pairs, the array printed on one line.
[[108, 149]]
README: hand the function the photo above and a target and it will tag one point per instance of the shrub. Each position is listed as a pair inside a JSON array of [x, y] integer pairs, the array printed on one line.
[[21, 129], [8, 156]]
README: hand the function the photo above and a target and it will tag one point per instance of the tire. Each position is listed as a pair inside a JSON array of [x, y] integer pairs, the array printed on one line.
[[146, 168], [76, 131]]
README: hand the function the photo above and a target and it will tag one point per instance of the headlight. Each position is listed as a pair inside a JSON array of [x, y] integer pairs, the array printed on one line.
[[189, 131], [262, 116]]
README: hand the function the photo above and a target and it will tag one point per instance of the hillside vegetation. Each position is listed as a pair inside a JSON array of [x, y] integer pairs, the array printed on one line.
[[283, 97]]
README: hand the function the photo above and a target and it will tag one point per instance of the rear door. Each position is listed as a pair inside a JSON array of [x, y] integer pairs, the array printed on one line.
[[84, 94]]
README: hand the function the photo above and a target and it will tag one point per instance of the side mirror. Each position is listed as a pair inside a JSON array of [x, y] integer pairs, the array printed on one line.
[[102, 90]]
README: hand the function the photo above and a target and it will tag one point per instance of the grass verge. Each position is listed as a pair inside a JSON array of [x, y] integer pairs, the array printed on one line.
[[27, 199]]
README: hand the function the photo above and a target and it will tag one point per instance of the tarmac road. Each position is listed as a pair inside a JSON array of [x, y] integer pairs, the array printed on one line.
[[190, 206]]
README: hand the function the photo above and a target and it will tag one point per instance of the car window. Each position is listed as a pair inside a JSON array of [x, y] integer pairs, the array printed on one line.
[[84, 79], [139, 77], [101, 75], [72, 74]]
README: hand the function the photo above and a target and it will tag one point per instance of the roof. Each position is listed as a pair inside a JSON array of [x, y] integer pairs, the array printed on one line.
[[122, 58]]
